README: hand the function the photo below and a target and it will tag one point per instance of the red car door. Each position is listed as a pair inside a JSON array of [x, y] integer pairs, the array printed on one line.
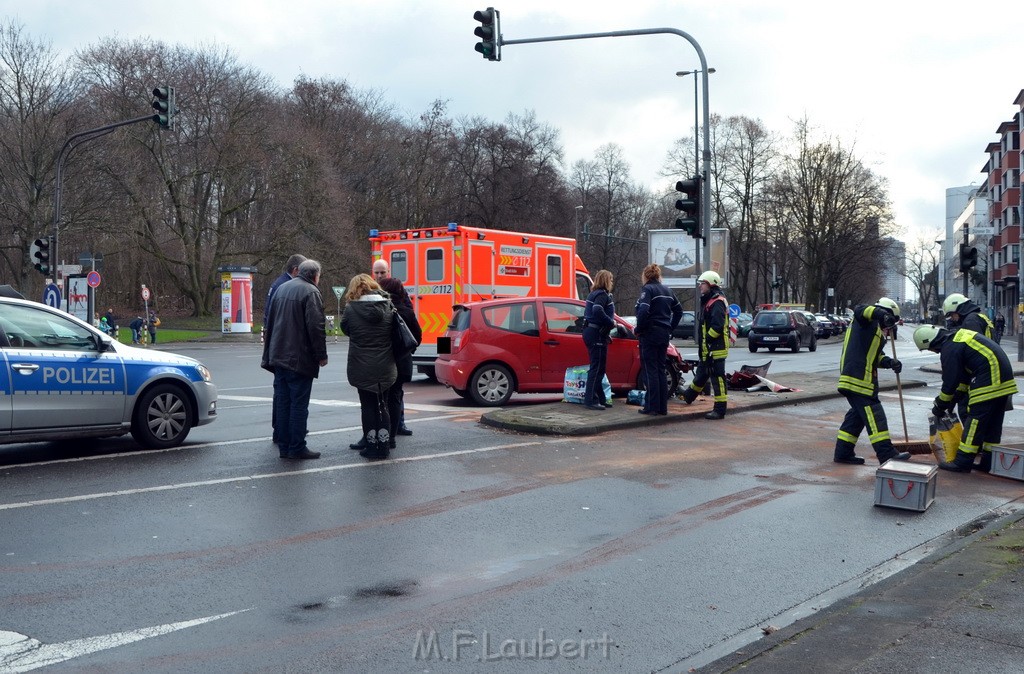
[[561, 343]]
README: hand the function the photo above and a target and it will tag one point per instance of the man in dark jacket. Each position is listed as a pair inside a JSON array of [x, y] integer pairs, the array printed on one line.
[[712, 334], [863, 353], [970, 357], [295, 348], [961, 312], [657, 315], [291, 270]]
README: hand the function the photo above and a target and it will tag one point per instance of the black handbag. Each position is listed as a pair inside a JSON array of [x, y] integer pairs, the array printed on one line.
[[403, 342]]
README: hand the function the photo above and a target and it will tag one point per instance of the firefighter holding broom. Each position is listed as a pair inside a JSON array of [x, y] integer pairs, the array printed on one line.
[[863, 353], [968, 356]]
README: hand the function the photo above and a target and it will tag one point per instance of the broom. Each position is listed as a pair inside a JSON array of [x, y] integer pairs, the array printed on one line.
[[906, 446]]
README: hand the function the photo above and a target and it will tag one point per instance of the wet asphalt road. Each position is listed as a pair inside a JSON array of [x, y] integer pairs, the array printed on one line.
[[474, 550]]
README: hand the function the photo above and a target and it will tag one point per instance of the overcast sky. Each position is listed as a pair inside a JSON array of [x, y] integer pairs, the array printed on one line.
[[916, 88]]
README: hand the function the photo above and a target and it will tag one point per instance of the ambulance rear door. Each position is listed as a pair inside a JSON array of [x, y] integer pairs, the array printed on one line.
[[556, 275], [479, 272]]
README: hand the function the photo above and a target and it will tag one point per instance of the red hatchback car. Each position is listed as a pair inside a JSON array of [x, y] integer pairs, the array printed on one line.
[[495, 348]]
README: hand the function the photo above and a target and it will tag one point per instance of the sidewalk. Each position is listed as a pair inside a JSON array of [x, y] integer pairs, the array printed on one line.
[[959, 609], [561, 418]]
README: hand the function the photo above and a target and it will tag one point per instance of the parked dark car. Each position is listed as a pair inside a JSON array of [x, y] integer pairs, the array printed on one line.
[[743, 324], [686, 326], [781, 328], [828, 327]]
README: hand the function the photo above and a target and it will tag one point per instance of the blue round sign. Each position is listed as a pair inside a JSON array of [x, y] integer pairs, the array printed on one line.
[[51, 296], [734, 311]]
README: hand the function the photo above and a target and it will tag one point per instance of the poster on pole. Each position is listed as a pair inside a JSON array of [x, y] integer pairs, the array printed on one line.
[[80, 297], [674, 251]]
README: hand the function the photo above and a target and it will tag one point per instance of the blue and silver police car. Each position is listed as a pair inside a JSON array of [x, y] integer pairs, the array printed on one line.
[[62, 378]]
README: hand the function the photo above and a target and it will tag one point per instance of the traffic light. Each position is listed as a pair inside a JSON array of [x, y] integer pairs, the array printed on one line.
[[689, 206], [968, 258], [163, 103], [489, 32], [39, 254]]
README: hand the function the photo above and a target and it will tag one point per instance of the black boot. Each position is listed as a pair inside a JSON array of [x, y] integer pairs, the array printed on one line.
[[961, 463], [689, 395], [985, 462], [359, 445], [717, 413], [892, 455], [847, 456]]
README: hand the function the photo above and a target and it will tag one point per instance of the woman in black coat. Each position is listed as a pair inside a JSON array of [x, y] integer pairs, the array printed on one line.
[[371, 364]]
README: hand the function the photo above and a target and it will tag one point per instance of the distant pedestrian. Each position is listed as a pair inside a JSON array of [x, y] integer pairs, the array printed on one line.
[[968, 356], [1000, 327], [863, 353], [657, 314], [598, 321], [295, 348], [111, 321], [712, 333], [136, 328], [152, 323], [371, 362]]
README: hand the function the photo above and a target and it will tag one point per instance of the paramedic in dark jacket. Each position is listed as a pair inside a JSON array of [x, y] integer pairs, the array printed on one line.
[[970, 357], [657, 315], [295, 348], [598, 321], [863, 353], [712, 334]]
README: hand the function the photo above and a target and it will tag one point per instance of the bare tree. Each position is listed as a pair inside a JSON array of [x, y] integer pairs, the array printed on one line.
[[922, 266], [37, 96]]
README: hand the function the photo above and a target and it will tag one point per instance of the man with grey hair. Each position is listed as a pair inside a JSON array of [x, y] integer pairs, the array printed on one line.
[[295, 349]]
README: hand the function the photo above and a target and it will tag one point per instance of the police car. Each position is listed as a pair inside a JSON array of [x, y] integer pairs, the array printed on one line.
[[62, 378]]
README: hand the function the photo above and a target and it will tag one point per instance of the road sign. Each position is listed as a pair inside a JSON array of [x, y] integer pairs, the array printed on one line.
[[93, 279], [734, 310], [69, 269], [51, 296], [145, 294], [338, 291]]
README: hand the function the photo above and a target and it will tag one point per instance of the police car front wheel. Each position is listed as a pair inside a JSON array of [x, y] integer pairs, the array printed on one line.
[[163, 417]]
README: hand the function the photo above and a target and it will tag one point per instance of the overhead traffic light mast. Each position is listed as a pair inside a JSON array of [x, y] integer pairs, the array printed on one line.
[[40, 253], [968, 258], [689, 206], [489, 32]]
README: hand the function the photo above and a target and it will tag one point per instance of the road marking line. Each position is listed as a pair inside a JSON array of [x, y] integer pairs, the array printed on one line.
[[220, 443], [263, 476], [20, 653]]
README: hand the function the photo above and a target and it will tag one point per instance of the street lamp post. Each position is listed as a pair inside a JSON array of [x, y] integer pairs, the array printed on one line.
[[578, 209], [696, 120]]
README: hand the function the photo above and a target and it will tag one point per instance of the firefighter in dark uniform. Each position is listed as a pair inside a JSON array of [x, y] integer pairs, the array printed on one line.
[[657, 314], [970, 357], [598, 321], [713, 344], [863, 353], [963, 313]]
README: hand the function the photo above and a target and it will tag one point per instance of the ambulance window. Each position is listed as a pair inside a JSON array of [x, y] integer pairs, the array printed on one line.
[[435, 264], [554, 267], [400, 265]]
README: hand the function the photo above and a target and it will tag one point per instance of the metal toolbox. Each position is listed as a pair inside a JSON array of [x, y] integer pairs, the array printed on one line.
[[1008, 461], [905, 485]]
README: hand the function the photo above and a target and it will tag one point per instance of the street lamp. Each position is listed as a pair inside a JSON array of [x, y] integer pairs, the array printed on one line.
[[578, 209], [696, 122]]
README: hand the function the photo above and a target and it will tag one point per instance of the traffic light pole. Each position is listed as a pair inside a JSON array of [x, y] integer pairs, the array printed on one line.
[[68, 146], [706, 187]]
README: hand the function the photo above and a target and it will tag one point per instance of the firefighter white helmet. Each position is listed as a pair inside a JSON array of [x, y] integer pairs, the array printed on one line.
[[925, 335], [711, 277], [890, 305], [953, 302]]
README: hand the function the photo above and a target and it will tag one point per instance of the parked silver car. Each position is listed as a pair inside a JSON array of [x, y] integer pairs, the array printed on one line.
[[62, 378]]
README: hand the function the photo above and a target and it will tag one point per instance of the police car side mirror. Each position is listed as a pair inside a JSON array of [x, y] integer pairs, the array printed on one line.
[[104, 344]]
